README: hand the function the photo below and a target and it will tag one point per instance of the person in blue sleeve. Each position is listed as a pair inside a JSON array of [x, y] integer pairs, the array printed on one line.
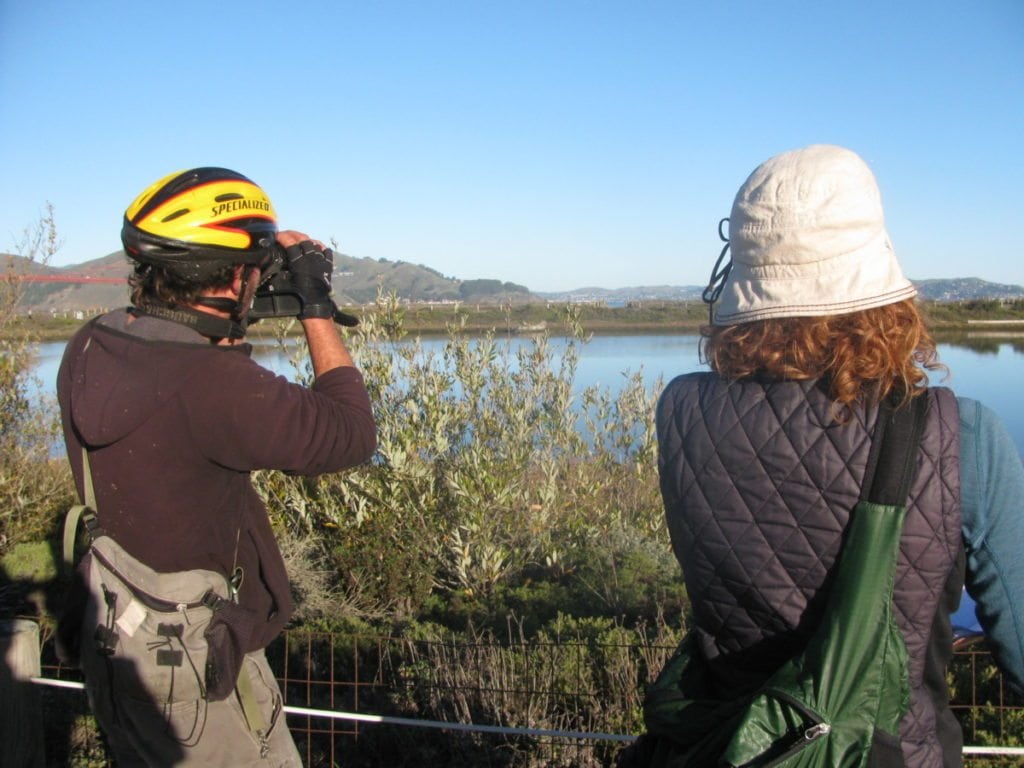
[[761, 460]]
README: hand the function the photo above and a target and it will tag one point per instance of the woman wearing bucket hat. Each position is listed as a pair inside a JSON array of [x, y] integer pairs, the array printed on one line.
[[812, 326]]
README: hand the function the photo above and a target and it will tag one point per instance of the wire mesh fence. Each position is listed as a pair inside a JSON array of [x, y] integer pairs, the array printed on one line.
[[990, 713], [361, 700]]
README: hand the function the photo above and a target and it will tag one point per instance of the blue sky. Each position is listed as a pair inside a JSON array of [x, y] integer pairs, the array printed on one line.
[[555, 144]]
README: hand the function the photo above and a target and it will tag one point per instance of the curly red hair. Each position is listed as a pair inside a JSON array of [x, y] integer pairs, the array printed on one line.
[[862, 355]]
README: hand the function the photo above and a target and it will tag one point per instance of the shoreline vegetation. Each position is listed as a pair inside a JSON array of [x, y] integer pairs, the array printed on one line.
[[947, 319]]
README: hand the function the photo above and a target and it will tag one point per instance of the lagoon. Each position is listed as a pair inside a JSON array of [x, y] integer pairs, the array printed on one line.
[[990, 369]]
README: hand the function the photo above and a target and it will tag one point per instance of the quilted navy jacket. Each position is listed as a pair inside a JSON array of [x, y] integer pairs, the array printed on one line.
[[758, 481]]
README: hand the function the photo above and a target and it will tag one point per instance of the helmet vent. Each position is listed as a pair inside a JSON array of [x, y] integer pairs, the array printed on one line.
[[228, 196], [172, 216]]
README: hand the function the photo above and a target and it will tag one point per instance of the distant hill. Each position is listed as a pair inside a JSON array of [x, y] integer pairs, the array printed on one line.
[[356, 281], [966, 289], [954, 289]]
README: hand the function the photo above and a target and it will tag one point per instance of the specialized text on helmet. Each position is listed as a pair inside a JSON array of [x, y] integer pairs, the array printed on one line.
[[240, 205]]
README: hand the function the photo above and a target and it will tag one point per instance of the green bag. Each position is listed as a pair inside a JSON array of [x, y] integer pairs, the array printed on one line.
[[840, 701]]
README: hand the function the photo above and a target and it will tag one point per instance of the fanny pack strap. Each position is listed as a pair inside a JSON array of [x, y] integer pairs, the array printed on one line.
[[253, 716], [78, 513]]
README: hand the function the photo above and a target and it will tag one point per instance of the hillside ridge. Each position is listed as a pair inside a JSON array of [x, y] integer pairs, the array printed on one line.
[[358, 280]]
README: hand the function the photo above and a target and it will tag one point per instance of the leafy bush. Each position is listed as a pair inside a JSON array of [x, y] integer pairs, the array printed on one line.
[[492, 473], [34, 488]]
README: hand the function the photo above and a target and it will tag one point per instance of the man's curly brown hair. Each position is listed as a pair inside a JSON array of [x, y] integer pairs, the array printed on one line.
[[153, 286], [863, 356]]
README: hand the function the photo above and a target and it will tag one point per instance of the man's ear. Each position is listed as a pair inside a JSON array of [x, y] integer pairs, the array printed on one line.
[[236, 279]]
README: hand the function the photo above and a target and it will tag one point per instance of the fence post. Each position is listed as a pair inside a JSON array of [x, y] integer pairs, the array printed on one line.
[[21, 720]]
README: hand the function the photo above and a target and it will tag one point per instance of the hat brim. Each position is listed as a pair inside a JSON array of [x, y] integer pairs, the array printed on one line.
[[867, 278]]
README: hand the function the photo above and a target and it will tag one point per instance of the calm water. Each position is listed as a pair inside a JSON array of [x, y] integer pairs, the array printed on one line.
[[992, 373]]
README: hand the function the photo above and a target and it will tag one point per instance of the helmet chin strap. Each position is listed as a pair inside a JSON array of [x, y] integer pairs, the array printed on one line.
[[217, 326], [252, 276]]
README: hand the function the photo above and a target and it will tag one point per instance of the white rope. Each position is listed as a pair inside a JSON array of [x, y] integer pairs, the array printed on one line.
[[994, 750], [407, 720], [58, 683], [457, 726], [484, 728]]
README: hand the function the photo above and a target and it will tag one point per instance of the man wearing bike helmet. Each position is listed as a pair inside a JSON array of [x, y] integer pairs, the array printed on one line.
[[165, 416]]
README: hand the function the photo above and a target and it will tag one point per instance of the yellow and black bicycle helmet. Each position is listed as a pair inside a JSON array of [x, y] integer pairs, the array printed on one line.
[[193, 223]]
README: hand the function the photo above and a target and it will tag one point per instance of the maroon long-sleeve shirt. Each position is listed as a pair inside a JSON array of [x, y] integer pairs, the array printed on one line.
[[174, 425]]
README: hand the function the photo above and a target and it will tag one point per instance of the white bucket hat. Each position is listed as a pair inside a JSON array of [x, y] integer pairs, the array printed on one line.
[[808, 238]]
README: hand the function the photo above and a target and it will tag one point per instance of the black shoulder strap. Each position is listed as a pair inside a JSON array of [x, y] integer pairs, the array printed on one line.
[[893, 458], [210, 326]]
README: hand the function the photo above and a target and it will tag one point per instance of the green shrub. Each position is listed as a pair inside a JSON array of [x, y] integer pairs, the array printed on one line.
[[35, 489], [492, 473]]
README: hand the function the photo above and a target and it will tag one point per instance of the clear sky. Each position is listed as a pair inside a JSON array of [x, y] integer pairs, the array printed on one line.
[[557, 143]]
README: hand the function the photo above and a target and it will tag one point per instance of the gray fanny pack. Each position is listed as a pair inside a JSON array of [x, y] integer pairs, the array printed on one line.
[[167, 637]]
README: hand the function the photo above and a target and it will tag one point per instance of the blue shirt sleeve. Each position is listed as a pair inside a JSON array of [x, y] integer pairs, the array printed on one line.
[[992, 502]]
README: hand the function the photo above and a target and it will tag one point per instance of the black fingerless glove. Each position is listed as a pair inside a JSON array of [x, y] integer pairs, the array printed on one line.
[[311, 268]]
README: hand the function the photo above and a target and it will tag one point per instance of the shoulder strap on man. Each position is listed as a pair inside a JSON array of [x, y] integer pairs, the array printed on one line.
[[85, 513]]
